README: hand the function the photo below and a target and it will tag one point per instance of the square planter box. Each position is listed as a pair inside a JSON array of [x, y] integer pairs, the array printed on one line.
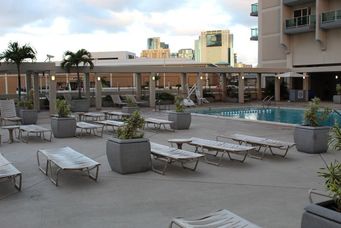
[[81, 105], [128, 155], [319, 215], [181, 120], [63, 127], [28, 116], [337, 99], [127, 109], [311, 140]]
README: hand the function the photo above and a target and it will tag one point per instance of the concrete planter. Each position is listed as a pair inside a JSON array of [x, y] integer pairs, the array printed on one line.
[[181, 120], [311, 140], [320, 215], [128, 156], [28, 116], [80, 105], [337, 99], [63, 127], [127, 109]]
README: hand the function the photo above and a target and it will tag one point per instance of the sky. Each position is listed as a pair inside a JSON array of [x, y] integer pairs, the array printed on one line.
[[53, 27]]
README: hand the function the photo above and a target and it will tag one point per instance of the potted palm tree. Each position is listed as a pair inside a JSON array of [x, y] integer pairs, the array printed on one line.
[[129, 152], [77, 60], [63, 125], [17, 54], [312, 137], [181, 119], [25, 109]]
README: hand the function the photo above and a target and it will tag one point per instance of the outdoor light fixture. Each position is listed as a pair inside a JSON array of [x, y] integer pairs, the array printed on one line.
[[279, 77], [303, 77], [153, 78], [98, 78], [243, 77], [336, 77], [201, 77], [53, 77]]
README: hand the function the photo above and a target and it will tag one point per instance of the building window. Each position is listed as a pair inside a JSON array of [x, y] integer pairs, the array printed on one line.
[[213, 40], [302, 15]]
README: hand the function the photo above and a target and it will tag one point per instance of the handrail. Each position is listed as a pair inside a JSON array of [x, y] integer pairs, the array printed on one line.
[[267, 101], [337, 112]]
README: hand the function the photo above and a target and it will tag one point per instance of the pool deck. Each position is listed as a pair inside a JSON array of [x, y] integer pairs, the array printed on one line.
[[270, 193]]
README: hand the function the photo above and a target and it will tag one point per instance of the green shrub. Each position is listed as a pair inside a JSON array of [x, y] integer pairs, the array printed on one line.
[[312, 115], [164, 96], [63, 109], [130, 130], [179, 107]]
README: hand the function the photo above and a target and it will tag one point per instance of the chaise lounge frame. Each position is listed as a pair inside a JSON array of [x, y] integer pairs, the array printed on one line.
[[158, 123], [169, 155], [9, 172], [66, 159]]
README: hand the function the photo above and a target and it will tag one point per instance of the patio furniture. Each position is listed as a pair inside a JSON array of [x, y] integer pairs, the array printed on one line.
[[65, 159], [117, 100], [117, 114], [93, 116], [9, 172], [111, 123], [221, 218], [158, 123], [34, 129], [223, 147], [11, 129], [89, 127], [169, 155], [179, 142], [262, 142], [8, 112], [133, 99]]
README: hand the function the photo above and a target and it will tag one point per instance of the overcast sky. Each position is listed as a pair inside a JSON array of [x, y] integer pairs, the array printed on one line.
[[52, 27]]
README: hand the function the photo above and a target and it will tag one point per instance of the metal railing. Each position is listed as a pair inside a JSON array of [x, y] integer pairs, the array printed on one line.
[[254, 33], [331, 16], [254, 9], [300, 21], [267, 101]]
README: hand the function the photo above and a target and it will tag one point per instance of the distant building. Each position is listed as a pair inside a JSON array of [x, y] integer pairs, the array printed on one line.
[[242, 65], [156, 49], [215, 47], [113, 55], [186, 53]]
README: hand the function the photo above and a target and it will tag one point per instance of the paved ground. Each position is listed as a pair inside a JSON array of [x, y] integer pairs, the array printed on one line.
[[270, 192]]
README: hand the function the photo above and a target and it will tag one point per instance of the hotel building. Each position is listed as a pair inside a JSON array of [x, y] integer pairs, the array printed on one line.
[[304, 36]]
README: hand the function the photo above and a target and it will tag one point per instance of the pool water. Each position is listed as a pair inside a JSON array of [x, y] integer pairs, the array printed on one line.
[[281, 115]]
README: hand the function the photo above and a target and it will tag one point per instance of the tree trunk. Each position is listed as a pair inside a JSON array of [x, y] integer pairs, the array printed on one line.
[[19, 82]]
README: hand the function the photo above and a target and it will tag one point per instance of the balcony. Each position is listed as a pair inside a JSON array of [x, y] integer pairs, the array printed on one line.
[[296, 2], [254, 10], [254, 34], [300, 24], [330, 20]]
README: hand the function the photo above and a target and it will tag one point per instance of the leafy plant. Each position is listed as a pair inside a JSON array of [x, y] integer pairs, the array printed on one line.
[[28, 103], [17, 54], [312, 115], [130, 130], [130, 102], [334, 140], [81, 58], [63, 109], [179, 107], [164, 96], [332, 175]]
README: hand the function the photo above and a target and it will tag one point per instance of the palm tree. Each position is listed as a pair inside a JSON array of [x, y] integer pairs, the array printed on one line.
[[81, 58], [17, 54]]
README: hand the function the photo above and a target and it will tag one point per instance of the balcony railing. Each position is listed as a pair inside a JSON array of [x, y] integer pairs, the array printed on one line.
[[254, 34], [296, 2], [254, 10], [300, 24], [331, 19]]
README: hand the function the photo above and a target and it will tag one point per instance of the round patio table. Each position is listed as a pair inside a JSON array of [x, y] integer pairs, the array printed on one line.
[[10, 129], [179, 142]]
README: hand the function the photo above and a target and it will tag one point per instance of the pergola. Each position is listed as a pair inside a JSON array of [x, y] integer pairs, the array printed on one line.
[[50, 69]]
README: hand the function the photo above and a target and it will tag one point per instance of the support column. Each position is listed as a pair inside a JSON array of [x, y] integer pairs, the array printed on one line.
[[87, 85], [259, 86], [277, 88], [306, 82], [110, 79], [241, 88], [28, 83], [52, 92], [199, 90], [98, 92], [183, 82], [152, 90], [6, 84], [36, 102], [223, 86], [138, 82]]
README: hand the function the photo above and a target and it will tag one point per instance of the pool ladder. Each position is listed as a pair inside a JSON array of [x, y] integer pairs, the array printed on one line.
[[267, 101]]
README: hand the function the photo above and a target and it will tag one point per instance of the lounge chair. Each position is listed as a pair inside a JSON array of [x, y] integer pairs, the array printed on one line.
[[221, 218], [219, 146], [133, 99], [169, 155], [89, 127], [117, 100], [262, 142], [64, 159], [8, 112], [9, 172], [158, 123]]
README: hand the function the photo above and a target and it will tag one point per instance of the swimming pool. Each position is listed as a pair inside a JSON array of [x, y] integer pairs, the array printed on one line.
[[281, 115]]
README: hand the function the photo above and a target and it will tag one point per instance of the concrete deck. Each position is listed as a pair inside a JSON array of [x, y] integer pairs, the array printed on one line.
[[270, 192]]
